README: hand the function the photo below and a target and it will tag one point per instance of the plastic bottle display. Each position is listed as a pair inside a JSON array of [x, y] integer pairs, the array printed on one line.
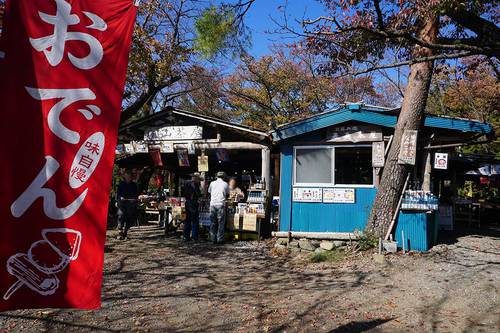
[[419, 200]]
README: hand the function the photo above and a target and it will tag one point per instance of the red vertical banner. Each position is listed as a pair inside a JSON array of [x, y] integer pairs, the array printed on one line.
[[62, 74]]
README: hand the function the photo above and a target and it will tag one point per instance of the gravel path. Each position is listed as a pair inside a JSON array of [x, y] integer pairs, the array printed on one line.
[[159, 284]]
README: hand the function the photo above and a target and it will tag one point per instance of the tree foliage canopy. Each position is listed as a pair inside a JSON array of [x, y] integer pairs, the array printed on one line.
[[277, 89], [364, 31]]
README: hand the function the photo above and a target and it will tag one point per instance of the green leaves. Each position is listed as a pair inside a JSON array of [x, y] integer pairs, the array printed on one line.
[[215, 31]]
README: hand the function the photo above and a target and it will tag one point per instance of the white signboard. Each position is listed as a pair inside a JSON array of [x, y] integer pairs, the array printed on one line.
[[378, 154], [174, 133], [129, 148], [339, 195], [357, 133], [408, 149], [307, 194], [140, 147], [167, 147], [441, 161]]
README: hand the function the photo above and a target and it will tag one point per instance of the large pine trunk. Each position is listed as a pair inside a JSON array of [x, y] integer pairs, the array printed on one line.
[[410, 118]]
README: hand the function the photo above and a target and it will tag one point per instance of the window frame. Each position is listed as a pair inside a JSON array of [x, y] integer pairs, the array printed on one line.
[[333, 183]]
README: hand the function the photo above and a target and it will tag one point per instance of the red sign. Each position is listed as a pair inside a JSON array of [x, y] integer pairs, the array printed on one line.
[[63, 66]]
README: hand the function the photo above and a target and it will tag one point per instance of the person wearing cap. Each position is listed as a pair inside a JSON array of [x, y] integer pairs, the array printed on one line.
[[219, 191], [192, 193]]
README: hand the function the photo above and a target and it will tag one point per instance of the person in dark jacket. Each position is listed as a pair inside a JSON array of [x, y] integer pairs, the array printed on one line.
[[126, 197], [192, 223]]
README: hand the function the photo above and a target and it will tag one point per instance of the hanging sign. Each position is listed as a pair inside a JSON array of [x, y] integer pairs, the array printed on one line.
[[191, 148], [378, 154], [357, 133], [140, 147], [441, 161], [174, 133], [156, 156], [120, 149], [62, 82], [183, 157], [202, 163], [167, 147], [339, 195], [307, 194], [129, 148], [408, 149]]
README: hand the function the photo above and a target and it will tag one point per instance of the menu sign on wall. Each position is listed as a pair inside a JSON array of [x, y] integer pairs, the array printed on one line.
[[339, 195], [408, 149], [307, 194]]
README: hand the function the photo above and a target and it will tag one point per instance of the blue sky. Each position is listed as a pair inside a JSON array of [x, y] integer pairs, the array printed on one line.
[[260, 17]]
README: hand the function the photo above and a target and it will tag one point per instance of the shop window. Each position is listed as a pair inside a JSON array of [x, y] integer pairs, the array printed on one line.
[[313, 165], [333, 165], [353, 166]]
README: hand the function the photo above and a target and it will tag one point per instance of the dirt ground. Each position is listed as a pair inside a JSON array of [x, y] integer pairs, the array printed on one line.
[[154, 283]]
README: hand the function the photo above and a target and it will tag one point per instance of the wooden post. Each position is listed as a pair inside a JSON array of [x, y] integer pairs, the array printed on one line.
[[266, 167], [426, 183]]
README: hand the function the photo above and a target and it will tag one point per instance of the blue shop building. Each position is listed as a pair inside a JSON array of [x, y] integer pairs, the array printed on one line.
[[331, 165]]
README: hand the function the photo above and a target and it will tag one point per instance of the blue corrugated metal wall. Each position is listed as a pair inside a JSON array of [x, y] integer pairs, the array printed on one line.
[[286, 187], [418, 230], [333, 217]]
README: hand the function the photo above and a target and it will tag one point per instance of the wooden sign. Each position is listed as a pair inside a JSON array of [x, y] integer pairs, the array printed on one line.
[[378, 154], [408, 149], [174, 133], [358, 133], [202, 163], [339, 195]]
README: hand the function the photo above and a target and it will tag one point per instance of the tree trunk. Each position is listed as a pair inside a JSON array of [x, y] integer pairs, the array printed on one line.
[[410, 118]]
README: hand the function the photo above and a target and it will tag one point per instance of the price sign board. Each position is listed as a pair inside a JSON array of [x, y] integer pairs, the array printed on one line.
[[307, 194], [339, 195]]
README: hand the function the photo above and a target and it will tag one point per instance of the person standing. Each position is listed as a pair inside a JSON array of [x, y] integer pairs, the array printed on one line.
[[192, 223], [235, 193], [126, 196], [219, 191]]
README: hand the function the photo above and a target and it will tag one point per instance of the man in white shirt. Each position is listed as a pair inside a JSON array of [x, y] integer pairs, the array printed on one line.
[[219, 191]]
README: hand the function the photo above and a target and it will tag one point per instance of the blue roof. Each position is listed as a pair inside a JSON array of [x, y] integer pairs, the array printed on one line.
[[376, 116]]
